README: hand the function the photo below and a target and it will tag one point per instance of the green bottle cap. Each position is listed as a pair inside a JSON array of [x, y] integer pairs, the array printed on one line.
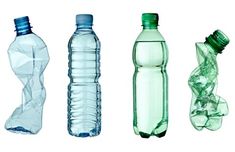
[[218, 40], [150, 20]]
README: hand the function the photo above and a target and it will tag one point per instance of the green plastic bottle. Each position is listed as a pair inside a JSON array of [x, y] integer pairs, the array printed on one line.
[[150, 88], [207, 108]]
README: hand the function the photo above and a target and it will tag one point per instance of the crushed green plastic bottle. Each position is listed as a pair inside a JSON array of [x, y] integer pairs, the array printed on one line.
[[207, 108]]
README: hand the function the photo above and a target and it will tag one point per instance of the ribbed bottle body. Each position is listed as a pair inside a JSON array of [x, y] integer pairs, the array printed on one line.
[[84, 93]]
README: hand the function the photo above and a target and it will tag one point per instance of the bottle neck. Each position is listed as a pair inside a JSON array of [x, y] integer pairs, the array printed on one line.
[[150, 26], [20, 32], [211, 48], [84, 27]]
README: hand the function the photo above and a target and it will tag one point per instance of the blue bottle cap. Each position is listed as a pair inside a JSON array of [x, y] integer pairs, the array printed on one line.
[[22, 23], [84, 19]]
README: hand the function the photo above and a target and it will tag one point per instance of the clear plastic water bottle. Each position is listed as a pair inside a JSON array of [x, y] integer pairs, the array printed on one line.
[[28, 58], [150, 87], [84, 96]]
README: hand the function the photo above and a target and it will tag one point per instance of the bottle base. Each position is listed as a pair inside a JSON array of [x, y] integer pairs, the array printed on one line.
[[92, 133], [84, 135], [146, 135], [162, 134], [19, 129], [159, 131]]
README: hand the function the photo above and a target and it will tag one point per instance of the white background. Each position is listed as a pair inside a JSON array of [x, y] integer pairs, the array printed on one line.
[[117, 23]]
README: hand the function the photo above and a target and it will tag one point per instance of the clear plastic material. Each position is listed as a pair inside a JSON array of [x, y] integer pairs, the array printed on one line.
[[150, 88], [84, 93], [28, 58], [207, 108]]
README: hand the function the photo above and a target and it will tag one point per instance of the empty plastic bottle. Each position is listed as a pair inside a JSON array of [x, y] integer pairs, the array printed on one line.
[[84, 96], [207, 108], [28, 58], [150, 87]]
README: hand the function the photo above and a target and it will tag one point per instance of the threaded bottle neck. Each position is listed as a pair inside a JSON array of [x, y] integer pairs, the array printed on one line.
[[84, 27], [150, 20], [218, 40], [22, 26]]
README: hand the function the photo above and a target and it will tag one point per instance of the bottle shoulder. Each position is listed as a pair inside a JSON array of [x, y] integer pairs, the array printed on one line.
[[204, 49], [28, 40], [204, 52], [84, 39], [80, 34], [150, 35]]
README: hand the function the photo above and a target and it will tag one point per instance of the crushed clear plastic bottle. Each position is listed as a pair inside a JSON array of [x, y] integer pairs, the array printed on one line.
[[28, 57], [207, 108], [84, 93]]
